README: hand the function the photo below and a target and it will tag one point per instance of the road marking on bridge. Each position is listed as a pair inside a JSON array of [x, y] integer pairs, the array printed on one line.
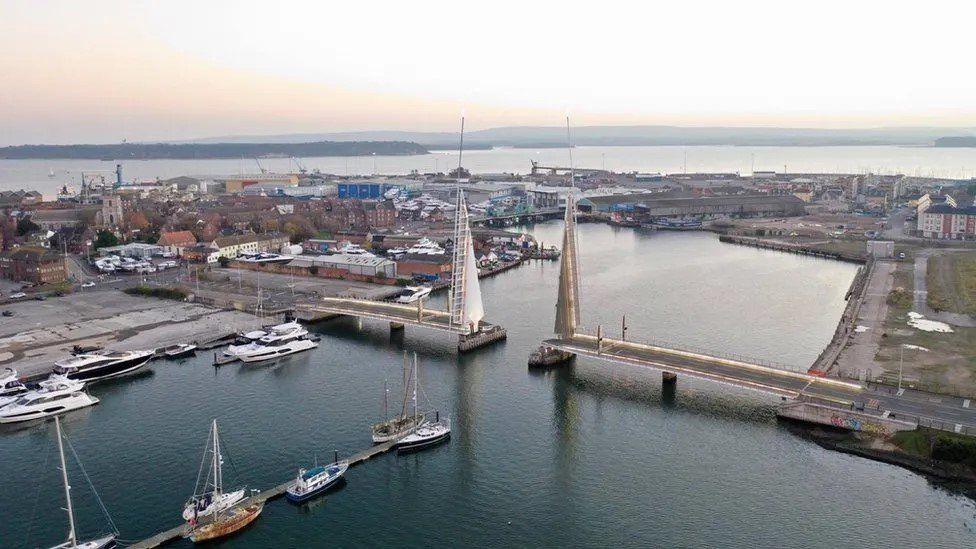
[[958, 428], [900, 392], [965, 403], [874, 403]]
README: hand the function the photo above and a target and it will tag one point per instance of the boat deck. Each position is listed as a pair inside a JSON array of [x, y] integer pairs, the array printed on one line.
[[178, 532]]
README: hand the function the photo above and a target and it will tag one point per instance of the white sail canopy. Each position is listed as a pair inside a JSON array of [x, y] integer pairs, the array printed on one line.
[[466, 306]]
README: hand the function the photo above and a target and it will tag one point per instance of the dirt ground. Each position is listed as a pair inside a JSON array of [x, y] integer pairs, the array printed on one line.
[[948, 358]]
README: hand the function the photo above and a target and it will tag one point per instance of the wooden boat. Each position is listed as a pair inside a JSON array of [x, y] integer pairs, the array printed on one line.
[[227, 523]]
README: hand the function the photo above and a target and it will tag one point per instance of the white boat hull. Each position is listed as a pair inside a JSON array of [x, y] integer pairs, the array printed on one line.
[[14, 413], [222, 502], [272, 353]]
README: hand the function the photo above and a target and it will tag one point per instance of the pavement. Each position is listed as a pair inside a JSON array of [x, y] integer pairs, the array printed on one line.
[[943, 411], [863, 344], [42, 332]]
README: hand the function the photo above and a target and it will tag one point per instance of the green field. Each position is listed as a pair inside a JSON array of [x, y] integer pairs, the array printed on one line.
[[951, 281]]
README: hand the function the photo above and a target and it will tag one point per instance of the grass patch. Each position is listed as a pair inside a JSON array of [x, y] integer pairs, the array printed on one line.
[[951, 280], [939, 445], [902, 295], [162, 293]]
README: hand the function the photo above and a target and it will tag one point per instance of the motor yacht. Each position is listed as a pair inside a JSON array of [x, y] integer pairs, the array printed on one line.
[[411, 294], [43, 404], [315, 481], [181, 350], [101, 365], [9, 384], [278, 349]]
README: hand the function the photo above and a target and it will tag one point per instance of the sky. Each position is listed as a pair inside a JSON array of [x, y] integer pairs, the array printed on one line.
[[100, 72]]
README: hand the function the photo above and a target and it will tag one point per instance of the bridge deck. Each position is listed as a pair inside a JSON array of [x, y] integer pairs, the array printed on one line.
[[269, 494], [743, 374], [384, 310]]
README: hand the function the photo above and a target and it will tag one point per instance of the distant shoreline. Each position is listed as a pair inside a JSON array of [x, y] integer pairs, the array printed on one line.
[[209, 151]]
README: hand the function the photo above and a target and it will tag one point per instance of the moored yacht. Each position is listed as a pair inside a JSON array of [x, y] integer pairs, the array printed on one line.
[[411, 294], [275, 350], [280, 333], [46, 403], [427, 433], [9, 384], [53, 383], [404, 422], [95, 366], [316, 480], [211, 499], [181, 350]]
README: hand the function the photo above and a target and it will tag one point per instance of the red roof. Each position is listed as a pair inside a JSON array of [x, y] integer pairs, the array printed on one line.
[[177, 238]]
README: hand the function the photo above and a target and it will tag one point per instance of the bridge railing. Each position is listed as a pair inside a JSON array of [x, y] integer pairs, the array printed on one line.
[[610, 337]]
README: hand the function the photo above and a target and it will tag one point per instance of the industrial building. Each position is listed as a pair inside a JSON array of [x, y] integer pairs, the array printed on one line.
[[357, 264], [661, 205]]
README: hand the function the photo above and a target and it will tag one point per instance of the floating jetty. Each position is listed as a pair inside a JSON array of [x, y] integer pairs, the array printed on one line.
[[178, 532]]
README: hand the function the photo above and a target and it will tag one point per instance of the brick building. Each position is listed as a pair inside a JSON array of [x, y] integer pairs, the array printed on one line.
[[36, 265]]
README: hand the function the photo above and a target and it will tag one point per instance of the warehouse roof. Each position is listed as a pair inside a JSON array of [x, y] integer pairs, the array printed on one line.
[[341, 260]]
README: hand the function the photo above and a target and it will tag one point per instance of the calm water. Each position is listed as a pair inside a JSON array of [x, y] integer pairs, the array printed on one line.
[[927, 161], [591, 455]]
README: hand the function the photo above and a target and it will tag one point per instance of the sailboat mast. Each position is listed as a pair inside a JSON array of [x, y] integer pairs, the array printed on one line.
[[67, 487], [218, 481], [416, 380], [386, 400]]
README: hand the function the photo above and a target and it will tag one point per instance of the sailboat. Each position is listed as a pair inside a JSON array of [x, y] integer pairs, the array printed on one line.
[[99, 543], [428, 433], [392, 428], [51, 173], [208, 500]]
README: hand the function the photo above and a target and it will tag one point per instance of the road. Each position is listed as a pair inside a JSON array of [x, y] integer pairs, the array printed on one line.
[[911, 405]]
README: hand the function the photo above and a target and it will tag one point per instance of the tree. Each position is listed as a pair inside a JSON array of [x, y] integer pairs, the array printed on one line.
[[464, 173], [25, 226], [224, 261], [971, 189], [105, 239]]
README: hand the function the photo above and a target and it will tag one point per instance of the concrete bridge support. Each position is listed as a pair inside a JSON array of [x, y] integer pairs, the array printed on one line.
[[396, 326], [669, 378]]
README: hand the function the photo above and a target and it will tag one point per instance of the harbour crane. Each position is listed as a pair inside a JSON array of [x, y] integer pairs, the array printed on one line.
[[301, 167], [260, 167]]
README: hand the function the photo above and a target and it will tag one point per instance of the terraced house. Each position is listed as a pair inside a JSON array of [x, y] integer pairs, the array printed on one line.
[[35, 265]]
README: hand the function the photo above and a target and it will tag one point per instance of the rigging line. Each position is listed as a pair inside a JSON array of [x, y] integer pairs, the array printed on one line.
[[206, 447], [101, 504], [37, 493]]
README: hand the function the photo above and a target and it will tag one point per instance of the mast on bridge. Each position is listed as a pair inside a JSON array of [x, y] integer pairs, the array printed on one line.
[[465, 303], [567, 300]]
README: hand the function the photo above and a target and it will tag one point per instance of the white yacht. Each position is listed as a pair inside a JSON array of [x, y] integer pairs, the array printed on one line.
[[354, 249], [45, 403], [281, 333], [210, 498], [410, 294], [428, 433], [426, 246], [274, 350], [101, 365], [9, 384], [53, 383]]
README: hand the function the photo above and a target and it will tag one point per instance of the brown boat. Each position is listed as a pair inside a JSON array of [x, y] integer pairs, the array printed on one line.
[[227, 523]]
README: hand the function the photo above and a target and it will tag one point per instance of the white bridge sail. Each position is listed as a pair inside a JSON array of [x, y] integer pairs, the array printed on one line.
[[466, 306]]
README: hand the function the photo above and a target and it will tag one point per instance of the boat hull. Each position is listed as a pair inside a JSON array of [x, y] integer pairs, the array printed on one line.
[[406, 447], [264, 357], [237, 520], [15, 416], [407, 428], [110, 370], [295, 497]]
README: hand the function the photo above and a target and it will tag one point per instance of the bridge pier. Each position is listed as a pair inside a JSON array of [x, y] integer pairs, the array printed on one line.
[[669, 378], [396, 326], [482, 338]]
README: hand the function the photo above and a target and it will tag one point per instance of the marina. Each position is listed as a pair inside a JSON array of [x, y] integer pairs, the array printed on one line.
[[489, 394]]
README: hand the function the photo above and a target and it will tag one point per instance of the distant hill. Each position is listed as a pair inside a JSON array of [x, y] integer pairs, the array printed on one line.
[[956, 142], [126, 151], [528, 136]]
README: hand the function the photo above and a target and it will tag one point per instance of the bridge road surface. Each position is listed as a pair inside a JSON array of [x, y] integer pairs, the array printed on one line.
[[388, 311], [910, 405]]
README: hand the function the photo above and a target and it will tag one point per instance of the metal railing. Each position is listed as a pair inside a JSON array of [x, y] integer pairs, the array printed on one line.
[[669, 345]]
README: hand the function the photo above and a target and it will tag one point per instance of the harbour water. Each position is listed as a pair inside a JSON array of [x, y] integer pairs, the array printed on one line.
[[922, 161], [588, 455]]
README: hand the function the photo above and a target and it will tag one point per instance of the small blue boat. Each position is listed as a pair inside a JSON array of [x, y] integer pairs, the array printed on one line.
[[315, 481]]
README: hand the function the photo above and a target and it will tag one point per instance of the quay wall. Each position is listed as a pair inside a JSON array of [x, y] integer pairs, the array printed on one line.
[[851, 420], [320, 272], [790, 248], [848, 321]]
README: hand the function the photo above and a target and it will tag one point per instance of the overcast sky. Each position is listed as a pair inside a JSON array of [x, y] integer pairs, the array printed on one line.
[[106, 71]]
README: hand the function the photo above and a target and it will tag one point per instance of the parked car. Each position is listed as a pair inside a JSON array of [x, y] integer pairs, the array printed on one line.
[[88, 284], [18, 295], [8, 313]]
